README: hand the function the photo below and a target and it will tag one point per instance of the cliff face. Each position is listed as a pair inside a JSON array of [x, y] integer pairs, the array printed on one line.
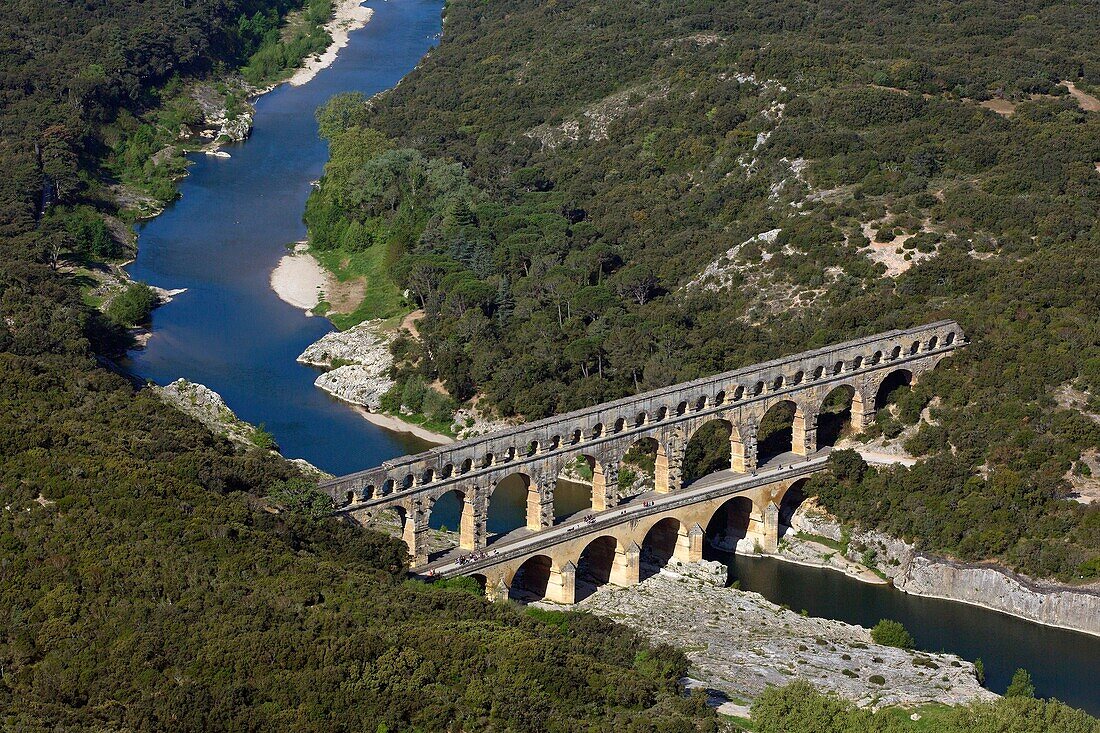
[[1045, 602], [1071, 608]]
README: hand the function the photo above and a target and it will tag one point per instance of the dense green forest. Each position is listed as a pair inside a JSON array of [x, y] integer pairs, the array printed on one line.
[[798, 707], [590, 199], [154, 578]]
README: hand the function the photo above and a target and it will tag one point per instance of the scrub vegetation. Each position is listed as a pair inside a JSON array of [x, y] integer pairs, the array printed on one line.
[[652, 193], [152, 576]]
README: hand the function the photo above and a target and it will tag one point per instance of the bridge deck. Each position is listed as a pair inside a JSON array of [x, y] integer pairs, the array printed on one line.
[[523, 541]]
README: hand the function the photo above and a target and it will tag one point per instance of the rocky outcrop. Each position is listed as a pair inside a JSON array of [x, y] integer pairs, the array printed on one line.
[[740, 643], [208, 407], [470, 423], [1044, 602], [358, 362], [996, 588]]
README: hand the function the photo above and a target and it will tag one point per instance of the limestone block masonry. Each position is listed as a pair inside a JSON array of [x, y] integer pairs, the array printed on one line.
[[666, 418]]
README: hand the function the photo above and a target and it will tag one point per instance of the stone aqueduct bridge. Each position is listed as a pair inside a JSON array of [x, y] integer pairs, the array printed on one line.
[[665, 419]]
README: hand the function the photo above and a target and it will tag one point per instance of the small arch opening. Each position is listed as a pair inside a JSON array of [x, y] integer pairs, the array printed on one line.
[[531, 580], [775, 432]]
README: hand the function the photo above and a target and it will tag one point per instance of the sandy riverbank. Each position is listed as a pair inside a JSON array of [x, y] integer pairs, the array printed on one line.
[[299, 279], [397, 425], [348, 16]]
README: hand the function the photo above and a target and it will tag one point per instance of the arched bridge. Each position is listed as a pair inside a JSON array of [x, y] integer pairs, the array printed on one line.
[[629, 457]]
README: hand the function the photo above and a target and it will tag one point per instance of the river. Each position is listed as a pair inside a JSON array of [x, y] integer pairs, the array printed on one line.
[[1062, 664], [226, 233], [230, 332]]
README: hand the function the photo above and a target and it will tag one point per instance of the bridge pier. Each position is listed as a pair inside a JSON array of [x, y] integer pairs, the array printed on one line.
[[863, 414], [627, 568], [669, 466], [770, 540], [415, 535], [689, 544], [804, 434], [562, 586], [743, 449], [472, 530], [540, 504], [605, 485]]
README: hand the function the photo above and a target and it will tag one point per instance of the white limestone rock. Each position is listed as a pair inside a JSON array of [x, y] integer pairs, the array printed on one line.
[[358, 362], [740, 643]]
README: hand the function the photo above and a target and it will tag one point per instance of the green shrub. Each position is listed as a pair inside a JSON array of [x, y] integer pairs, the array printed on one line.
[[892, 633], [133, 305]]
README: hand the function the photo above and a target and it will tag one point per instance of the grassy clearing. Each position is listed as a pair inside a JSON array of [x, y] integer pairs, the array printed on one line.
[[382, 299]]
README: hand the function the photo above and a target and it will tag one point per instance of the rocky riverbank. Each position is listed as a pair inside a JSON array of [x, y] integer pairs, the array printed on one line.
[[357, 363], [208, 407], [1045, 602], [740, 643]]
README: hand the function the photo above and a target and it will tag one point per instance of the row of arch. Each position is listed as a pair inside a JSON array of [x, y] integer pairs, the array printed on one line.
[[891, 381], [520, 500], [600, 561], [642, 418]]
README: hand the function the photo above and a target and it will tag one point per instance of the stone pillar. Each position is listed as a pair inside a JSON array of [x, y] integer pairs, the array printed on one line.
[[804, 434], [668, 469], [562, 586], [743, 448], [540, 502], [770, 540], [689, 544], [497, 592], [472, 533], [627, 569], [862, 413], [605, 485], [416, 535]]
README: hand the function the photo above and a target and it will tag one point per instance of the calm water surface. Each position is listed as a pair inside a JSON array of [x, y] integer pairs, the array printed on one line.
[[230, 332], [1063, 664], [224, 236]]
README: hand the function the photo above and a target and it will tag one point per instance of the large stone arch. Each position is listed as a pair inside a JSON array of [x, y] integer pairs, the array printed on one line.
[[836, 414], [709, 448], [537, 501], [596, 565], [889, 384], [574, 480], [731, 522], [789, 501], [637, 472], [444, 514], [534, 579], [781, 429], [666, 538]]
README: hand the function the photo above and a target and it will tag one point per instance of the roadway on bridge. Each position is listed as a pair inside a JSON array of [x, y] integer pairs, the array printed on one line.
[[522, 541]]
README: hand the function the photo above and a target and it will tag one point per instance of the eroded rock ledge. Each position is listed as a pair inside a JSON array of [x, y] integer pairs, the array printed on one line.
[[1045, 602], [740, 643], [357, 361]]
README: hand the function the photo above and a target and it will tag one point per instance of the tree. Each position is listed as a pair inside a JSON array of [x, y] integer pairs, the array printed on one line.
[[133, 305], [340, 113], [892, 633], [301, 496], [847, 465], [1021, 685]]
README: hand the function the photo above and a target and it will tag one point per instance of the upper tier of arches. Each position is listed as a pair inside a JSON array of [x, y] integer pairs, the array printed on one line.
[[641, 415]]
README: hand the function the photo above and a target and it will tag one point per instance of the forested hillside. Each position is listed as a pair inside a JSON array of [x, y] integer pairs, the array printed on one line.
[[590, 199], [146, 583]]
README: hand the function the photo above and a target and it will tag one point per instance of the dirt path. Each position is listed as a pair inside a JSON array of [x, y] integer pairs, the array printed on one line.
[[409, 323], [1088, 102]]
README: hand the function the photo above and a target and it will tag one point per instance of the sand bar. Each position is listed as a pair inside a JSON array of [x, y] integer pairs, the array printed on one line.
[[348, 16]]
